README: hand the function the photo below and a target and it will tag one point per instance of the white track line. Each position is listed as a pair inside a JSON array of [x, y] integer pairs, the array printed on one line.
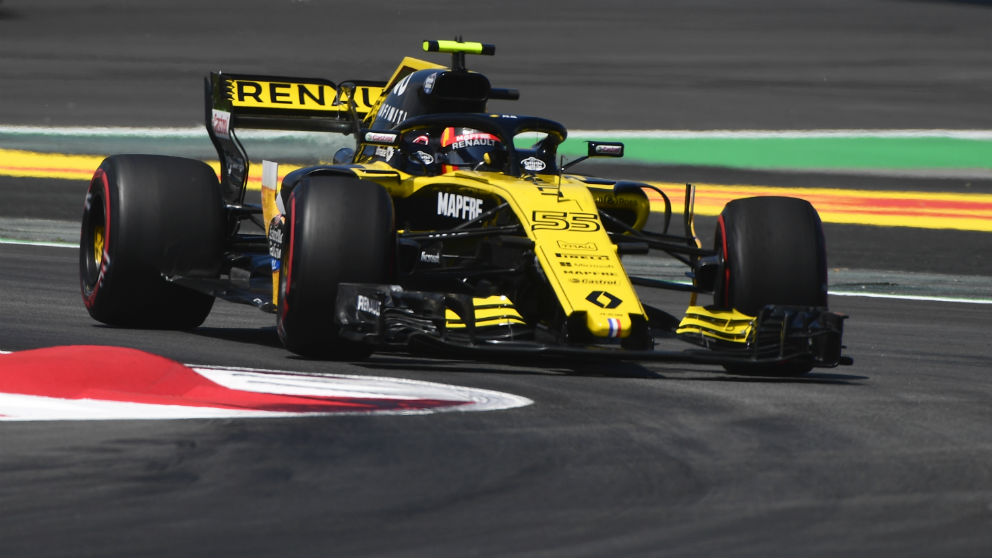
[[922, 298], [34, 243], [783, 134], [832, 293]]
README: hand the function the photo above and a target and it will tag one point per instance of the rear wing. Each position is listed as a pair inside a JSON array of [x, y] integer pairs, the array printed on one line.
[[286, 103], [237, 101]]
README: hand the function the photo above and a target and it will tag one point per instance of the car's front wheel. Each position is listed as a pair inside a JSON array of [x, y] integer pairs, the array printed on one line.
[[339, 229], [773, 252]]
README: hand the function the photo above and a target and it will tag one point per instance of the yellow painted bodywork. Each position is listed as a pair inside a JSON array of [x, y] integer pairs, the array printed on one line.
[[269, 211], [456, 46], [724, 325], [571, 245], [320, 96], [558, 213], [406, 67], [496, 310]]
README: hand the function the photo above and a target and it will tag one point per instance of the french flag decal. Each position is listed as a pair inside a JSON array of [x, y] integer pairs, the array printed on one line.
[[614, 324]]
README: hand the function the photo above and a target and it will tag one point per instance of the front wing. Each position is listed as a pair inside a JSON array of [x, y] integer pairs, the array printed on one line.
[[389, 317]]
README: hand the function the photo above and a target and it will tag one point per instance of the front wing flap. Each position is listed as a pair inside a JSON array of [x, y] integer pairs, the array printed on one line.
[[388, 316]]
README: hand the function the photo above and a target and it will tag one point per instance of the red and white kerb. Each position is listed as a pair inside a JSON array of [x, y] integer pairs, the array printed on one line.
[[115, 383]]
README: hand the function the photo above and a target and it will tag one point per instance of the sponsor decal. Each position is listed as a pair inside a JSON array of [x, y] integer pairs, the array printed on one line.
[[429, 83], [368, 305], [275, 240], [566, 245], [427, 158], [609, 150], [380, 137], [604, 299], [589, 265], [391, 114], [470, 139], [384, 152], [400, 87], [578, 281], [220, 121], [610, 200], [431, 257], [236, 168], [299, 95], [458, 206], [586, 272], [533, 164], [422, 139], [582, 257]]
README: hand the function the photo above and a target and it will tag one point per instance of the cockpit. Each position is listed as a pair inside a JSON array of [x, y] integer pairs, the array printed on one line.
[[435, 144]]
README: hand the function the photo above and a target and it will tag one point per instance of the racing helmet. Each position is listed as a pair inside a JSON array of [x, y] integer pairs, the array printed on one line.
[[470, 149]]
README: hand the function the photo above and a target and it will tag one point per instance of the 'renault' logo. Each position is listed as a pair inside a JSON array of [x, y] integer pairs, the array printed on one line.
[[603, 299]]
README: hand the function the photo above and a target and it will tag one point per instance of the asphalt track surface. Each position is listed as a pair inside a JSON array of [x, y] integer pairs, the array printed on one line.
[[890, 457]]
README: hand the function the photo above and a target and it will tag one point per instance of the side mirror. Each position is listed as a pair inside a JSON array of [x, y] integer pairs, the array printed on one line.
[[598, 149], [605, 149]]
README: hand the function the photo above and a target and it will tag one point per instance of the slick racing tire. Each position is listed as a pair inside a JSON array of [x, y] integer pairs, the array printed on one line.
[[339, 229], [145, 217], [774, 253]]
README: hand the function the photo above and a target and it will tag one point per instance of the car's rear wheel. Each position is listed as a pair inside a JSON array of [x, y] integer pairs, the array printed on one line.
[[339, 229], [147, 216], [774, 253]]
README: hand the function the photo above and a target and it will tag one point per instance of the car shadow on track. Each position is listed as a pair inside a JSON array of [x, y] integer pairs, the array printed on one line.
[[630, 370], [821, 378], [634, 370], [266, 336], [413, 362], [416, 363]]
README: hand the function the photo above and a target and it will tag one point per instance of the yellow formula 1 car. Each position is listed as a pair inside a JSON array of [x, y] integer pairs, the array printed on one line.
[[446, 228]]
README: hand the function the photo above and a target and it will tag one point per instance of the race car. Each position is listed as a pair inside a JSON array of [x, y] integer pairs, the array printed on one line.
[[446, 228]]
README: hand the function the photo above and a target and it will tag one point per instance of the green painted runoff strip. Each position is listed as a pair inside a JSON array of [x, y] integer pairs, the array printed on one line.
[[803, 152], [767, 149]]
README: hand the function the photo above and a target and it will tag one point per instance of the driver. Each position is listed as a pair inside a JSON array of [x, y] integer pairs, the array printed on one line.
[[447, 150], [467, 148]]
